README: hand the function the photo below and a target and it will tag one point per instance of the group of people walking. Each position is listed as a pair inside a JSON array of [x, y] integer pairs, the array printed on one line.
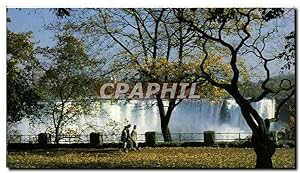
[[128, 138]]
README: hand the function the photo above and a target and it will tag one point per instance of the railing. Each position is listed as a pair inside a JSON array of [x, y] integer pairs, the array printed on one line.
[[176, 137], [72, 139], [22, 139], [116, 138], [199, 137]]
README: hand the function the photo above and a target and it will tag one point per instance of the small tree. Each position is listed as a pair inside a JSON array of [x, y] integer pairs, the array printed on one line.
[[66, 84]]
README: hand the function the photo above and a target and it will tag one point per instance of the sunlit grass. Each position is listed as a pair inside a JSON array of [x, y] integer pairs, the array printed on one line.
[[177, 157]]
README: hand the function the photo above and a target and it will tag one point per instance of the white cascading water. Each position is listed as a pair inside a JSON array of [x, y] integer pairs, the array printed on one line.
[[189, 116]]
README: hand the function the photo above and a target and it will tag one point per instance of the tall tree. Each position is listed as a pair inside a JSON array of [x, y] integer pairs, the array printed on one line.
[[148, 45], [245, 33], [67, 84], [22, 72], [22, 96]]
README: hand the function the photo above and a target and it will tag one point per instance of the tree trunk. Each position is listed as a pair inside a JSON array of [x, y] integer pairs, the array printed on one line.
[[263, 145], [264, 148], [56, 140], [166, 132], [164, 119]]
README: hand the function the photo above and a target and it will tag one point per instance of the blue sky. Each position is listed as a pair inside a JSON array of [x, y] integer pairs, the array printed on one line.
[[34, 20]]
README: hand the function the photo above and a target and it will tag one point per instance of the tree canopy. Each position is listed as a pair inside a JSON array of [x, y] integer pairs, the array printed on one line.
[[22, 97]]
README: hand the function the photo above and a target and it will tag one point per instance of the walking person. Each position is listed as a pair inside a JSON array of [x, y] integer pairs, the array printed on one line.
[[124, 137], [134, 137], [129, 139]]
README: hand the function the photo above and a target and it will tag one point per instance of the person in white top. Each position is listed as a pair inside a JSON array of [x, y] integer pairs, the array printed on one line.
[[134, 137]]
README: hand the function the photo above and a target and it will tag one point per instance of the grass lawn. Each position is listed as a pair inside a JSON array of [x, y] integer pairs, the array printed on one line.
[[173, 157]]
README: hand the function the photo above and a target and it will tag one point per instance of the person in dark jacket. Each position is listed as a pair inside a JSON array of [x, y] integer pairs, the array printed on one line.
[[125, 137]]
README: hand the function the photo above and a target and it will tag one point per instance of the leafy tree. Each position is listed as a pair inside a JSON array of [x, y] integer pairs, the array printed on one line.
[[22, 73], [148, 45], [289, 53], [66, 84], [235, 32], [291, 128], [22, 97]]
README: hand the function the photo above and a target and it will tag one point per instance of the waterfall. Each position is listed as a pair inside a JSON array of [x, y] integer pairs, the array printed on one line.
[[190, 116], [199, 116]]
